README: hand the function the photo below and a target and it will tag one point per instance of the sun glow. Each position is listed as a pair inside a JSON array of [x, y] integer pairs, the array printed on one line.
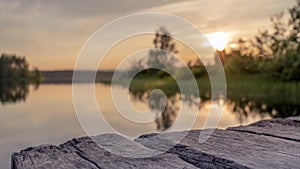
[[218, 40]]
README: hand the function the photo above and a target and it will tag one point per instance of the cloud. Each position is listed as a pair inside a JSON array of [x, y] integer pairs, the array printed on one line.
[[48, 31], [53, 32], [227, 15]]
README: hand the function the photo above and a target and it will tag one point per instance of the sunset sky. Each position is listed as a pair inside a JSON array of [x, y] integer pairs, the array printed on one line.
[[51, 33]]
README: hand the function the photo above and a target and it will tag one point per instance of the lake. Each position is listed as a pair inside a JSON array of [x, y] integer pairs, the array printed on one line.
[[32, 116]]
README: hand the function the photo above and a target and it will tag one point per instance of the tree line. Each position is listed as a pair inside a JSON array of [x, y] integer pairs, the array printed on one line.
[[274, 52], [16, 69]]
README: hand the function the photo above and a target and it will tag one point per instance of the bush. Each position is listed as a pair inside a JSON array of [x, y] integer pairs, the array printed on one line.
[[239, 64], [287, 67]]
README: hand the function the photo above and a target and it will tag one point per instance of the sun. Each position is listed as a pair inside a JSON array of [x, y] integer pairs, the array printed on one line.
[[218, 40]]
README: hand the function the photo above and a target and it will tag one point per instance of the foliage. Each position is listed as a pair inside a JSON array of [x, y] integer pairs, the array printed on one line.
[[278, 41], [199, 71], [242, 64], [161, 57], [273, 53], [266, 96], [13, 69], [246, 93], [287, 68], [143, 82]]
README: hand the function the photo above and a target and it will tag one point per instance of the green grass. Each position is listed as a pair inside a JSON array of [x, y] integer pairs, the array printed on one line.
[[249, 91], [254, 87]]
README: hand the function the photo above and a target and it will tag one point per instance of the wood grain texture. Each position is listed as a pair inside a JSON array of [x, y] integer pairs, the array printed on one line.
[[265, 144]]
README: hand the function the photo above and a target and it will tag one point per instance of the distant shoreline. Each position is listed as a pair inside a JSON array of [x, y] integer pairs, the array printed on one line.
[[66, 76]]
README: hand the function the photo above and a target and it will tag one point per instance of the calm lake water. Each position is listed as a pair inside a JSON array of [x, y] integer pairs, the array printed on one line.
[[46, 116]]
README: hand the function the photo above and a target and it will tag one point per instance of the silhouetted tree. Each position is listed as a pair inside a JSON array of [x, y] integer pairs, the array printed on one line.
[[15, 77], [275, 52], [16, 68], [164, 46], [284, 37], [160, 57]]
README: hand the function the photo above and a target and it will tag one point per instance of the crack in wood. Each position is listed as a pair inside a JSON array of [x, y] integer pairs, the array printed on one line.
[[265, 144], [80, 154]]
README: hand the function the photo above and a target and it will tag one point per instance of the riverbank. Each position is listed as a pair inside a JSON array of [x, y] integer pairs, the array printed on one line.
[[265, 144], [66, 76]]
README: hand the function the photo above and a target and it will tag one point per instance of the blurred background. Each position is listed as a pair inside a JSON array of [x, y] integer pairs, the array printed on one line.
[[257, 42]]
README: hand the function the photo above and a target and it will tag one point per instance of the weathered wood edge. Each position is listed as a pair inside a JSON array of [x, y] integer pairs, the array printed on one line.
[[280, 130]]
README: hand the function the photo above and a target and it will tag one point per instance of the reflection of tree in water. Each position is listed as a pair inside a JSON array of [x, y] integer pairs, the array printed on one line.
[[274, 108], [13, 92], [243, 107], [169, 115], [15, 78], [275, 104], [159, 103]]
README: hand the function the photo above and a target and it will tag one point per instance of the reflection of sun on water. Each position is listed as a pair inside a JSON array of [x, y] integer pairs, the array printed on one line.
[[218, 40]]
